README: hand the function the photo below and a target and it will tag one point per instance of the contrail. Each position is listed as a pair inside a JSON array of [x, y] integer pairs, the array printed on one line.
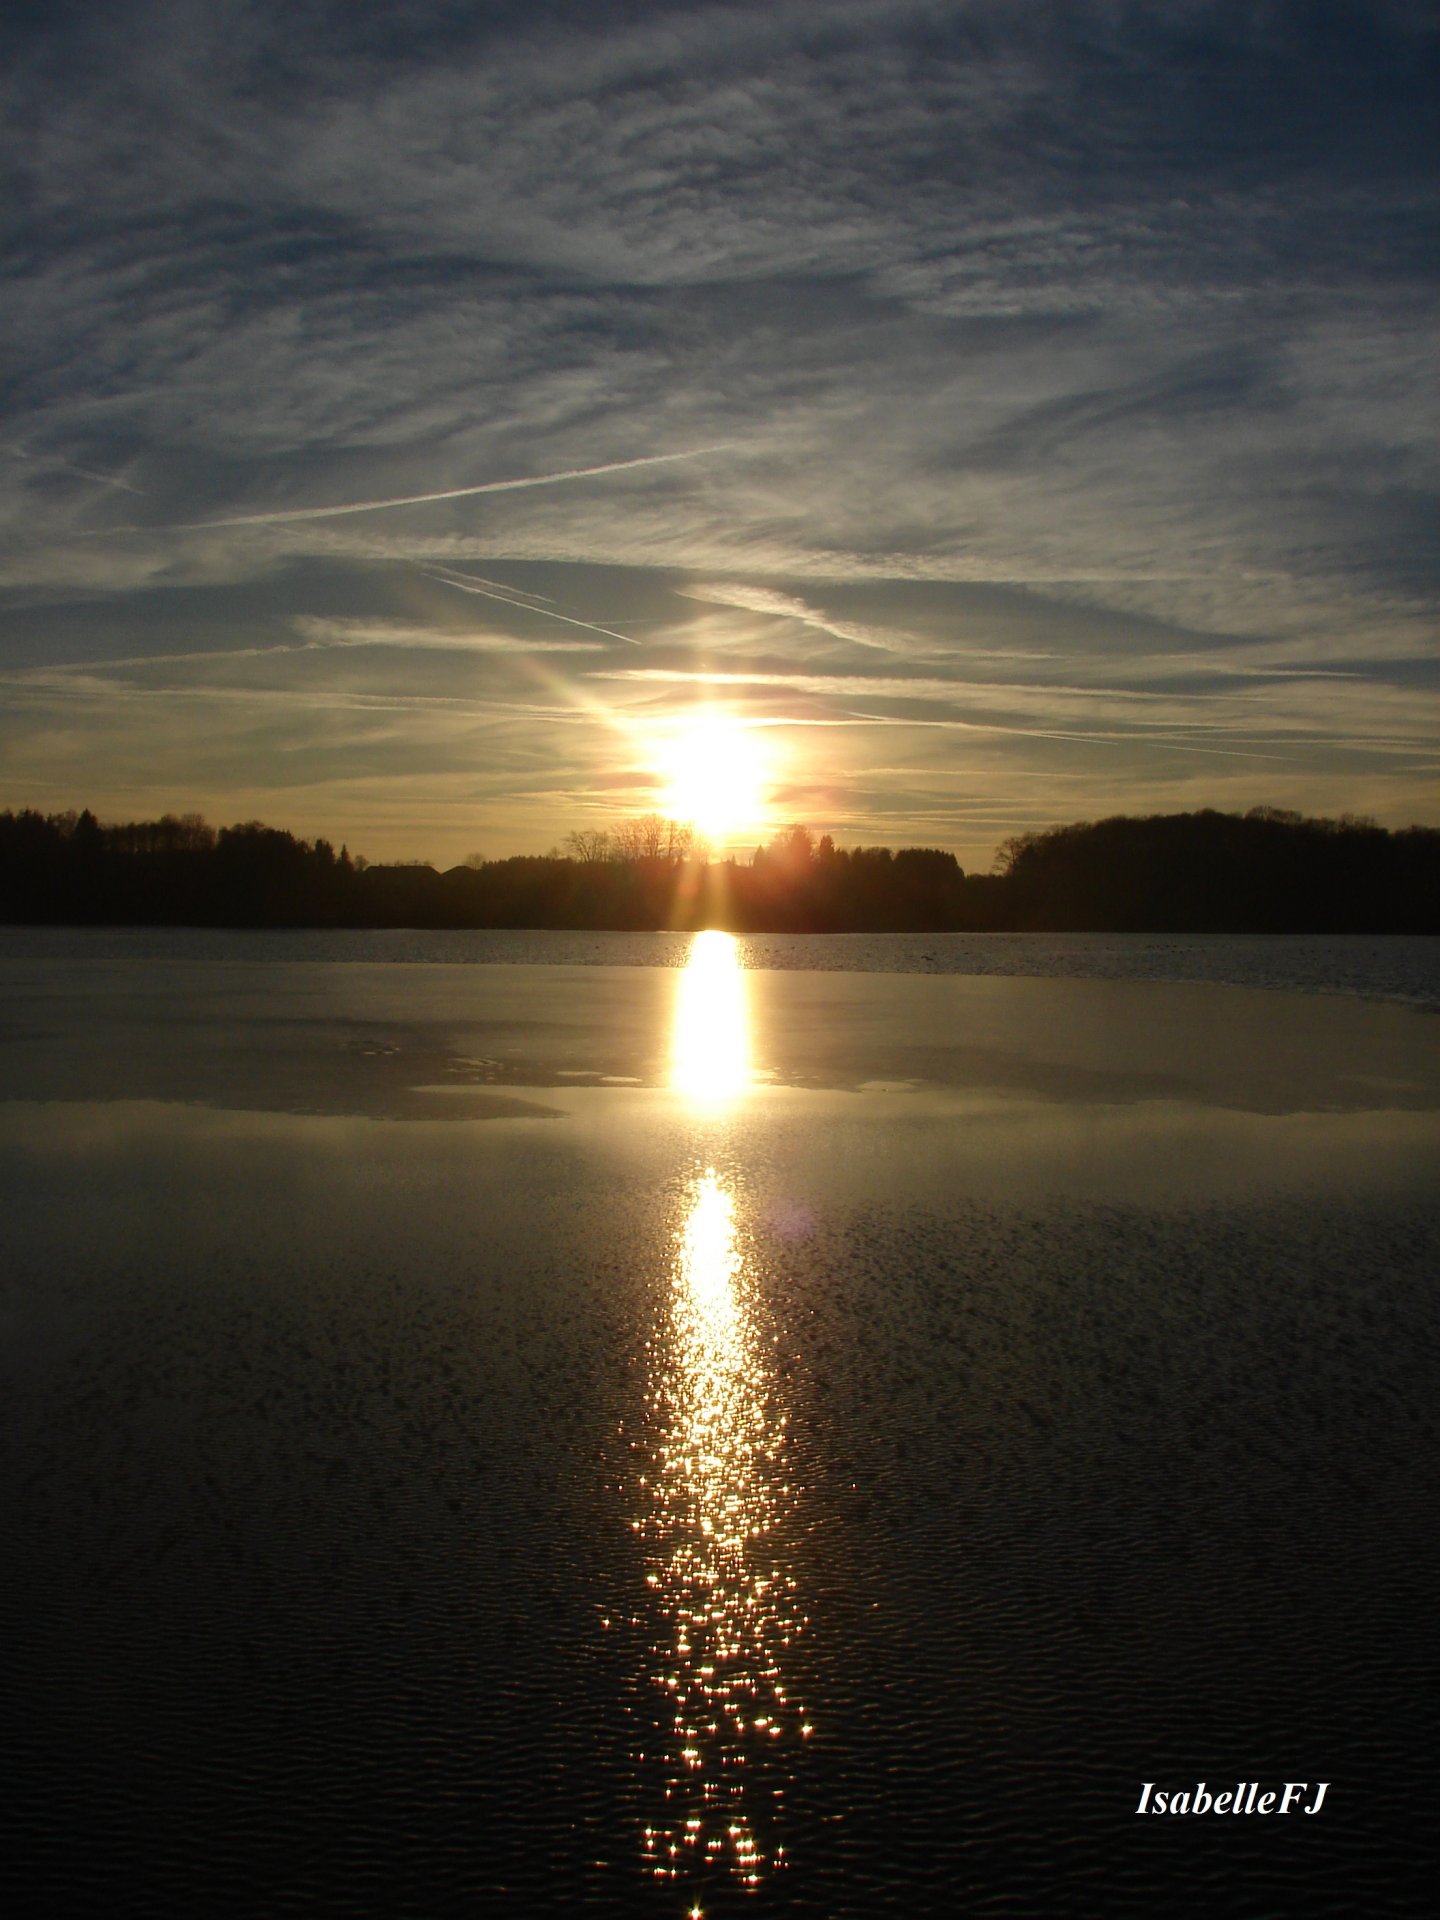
[[455, 577], [421, 499], [462, 585], [69, 466]]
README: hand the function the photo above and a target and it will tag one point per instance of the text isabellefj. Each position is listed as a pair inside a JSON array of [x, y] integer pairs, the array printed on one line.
[[1244, 1797]]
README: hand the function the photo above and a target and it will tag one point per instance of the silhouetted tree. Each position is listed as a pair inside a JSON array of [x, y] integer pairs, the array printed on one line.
[[1268, 871]]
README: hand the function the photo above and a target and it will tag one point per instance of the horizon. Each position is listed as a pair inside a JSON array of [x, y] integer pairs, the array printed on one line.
[[694, 848], [927, 422]]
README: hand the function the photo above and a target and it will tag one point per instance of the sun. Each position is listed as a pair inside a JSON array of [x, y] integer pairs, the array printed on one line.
[[713, 776]]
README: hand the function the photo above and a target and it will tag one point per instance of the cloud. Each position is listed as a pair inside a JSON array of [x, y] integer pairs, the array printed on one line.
[[319, 631], [1113, 326], [785, 606], [68, 466], [1378, 719]]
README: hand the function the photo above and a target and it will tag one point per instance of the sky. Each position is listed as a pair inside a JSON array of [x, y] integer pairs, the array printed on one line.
[[416, 418]]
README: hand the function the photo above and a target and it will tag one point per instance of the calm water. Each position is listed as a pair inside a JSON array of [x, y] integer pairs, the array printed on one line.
[[1404, 968], [636, 1434]]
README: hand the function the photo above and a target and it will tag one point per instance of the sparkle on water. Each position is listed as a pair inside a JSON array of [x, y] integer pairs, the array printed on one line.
[[715, 1490]]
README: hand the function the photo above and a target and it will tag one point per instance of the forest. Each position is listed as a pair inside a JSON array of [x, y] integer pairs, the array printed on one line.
[[1266, 871]]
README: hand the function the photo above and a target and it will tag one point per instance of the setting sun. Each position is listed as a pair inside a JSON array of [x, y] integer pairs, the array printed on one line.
[[715, 777]]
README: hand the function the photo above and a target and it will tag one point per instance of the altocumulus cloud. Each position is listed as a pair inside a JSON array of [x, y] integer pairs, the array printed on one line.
[[1094, 339]]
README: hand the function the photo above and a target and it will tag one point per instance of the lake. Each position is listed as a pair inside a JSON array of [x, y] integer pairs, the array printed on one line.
[[631, 1424]]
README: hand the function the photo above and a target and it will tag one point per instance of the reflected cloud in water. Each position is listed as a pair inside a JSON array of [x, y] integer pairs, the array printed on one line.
[[713, 1504]]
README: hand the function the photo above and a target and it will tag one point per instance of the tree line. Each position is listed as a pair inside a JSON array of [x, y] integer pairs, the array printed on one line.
[[1266, 871]]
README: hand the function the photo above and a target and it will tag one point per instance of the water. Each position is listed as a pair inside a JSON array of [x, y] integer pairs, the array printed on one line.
[[1401, 967], [601, 1438]]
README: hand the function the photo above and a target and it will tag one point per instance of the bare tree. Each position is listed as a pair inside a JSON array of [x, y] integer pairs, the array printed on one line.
[[591, 844], [652, 836]]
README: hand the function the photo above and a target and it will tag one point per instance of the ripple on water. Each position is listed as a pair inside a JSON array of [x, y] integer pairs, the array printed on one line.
[[325, 1479]]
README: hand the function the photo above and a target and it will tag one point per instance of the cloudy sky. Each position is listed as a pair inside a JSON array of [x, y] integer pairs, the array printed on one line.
[[1011, 412]]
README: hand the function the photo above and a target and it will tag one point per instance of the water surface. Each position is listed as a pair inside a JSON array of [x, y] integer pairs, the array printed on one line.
[[1401, 967], [624, 1439]]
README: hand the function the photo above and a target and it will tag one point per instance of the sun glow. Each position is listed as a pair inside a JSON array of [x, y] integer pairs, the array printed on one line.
[[715, 777]]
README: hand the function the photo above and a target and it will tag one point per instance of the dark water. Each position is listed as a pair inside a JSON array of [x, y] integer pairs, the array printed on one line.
[[1399, 967], [858, 1485]]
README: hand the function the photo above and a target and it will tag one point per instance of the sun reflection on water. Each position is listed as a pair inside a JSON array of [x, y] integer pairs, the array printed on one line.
[[714, 1497], [715, 1563], [710, 1044]]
